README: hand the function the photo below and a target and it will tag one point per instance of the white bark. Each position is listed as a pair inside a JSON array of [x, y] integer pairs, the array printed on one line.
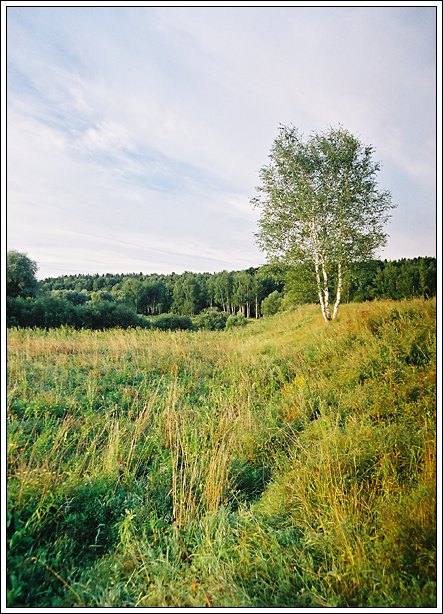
[[339, 288], [319, 288], [327, 314], [322, 288]]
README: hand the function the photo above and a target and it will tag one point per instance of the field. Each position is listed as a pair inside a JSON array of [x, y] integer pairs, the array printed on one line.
[[288, 463]]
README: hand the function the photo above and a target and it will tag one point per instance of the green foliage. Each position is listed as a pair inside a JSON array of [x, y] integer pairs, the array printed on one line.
[[236, 320], [44, 312], [300, 285], [20, 275], [173, 322], [319, 198], [320, 205], [186, 295], [211, 319], [398, 279], [104, 314], [227, 292], [285, 464], [130, 290], [51, 312], [80, 298], [271, 304]]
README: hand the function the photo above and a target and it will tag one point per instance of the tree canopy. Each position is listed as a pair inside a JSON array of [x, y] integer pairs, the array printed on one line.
[[321, 206], [205, 300], [20, 276]]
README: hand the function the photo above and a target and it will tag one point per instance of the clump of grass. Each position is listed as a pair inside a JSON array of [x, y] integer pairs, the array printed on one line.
[[284, 464]]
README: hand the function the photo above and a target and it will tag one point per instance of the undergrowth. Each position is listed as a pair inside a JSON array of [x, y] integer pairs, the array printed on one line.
[[288, 463]]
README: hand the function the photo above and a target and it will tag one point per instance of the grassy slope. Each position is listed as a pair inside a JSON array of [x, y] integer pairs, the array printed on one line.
[[290, 463]]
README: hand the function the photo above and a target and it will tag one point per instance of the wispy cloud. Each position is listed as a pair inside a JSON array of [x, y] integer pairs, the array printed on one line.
[[136, 134]]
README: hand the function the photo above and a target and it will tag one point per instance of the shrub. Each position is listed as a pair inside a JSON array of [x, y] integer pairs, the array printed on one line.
[[271, 304], [211, 319], [238, 320], [45, 312], [107, 315], [173, 322]]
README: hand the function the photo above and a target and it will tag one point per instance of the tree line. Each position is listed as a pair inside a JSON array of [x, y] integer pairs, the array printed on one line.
[[196, 300], [184, 294]]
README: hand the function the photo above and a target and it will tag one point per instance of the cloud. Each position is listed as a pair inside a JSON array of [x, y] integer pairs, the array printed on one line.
[[147, 126], [105, 136], [67, 209]]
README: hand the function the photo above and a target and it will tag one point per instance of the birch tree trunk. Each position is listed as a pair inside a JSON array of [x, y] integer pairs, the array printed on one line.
[[319, 287], [327, 313], [339, 289]]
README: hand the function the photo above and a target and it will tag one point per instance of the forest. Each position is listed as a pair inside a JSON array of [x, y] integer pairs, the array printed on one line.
[[202, 300]]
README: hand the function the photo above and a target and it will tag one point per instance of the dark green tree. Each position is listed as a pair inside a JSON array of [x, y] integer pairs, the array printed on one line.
[[300, 286], [427, 270], [267, 279], [186, 295], [243, 292], [20, 276], [224, 291], [271, 304], [130, 292], [152, 297]]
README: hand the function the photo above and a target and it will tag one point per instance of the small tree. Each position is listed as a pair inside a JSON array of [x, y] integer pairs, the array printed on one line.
[[320, 205], [130, 292], [271, 304], [20, 277]]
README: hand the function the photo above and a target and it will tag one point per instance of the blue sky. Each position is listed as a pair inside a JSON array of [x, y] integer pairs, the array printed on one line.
[[135, 135]]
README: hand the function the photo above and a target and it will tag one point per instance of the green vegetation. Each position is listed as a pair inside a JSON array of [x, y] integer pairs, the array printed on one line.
[[321, 207], [20, 277], [136, 300], [272, 304], [284, 463]]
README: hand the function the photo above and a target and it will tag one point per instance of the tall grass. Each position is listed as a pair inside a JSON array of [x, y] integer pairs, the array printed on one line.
[[285, 464]]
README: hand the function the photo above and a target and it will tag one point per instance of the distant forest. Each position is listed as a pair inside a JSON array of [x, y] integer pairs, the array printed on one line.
[[100, 301]]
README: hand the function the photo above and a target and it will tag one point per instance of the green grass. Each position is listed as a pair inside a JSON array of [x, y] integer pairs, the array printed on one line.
[[289, 463]]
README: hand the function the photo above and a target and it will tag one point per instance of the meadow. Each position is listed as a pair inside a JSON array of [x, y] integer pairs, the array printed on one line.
[[287, 463]]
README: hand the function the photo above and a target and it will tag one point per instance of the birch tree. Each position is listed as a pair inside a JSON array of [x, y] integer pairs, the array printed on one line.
[[321, 206]]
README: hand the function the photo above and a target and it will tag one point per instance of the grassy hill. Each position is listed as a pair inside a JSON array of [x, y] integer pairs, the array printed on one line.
[[285, 464]]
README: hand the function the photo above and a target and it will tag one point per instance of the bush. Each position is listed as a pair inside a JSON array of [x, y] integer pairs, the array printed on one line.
[[211, 319], [52, 312], [17, 311], [271, 304], [238, 320], [45, 312], [107, 315], [173, 322]]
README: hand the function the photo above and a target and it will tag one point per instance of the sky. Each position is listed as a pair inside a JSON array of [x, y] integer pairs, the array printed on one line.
[[135, 135]]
